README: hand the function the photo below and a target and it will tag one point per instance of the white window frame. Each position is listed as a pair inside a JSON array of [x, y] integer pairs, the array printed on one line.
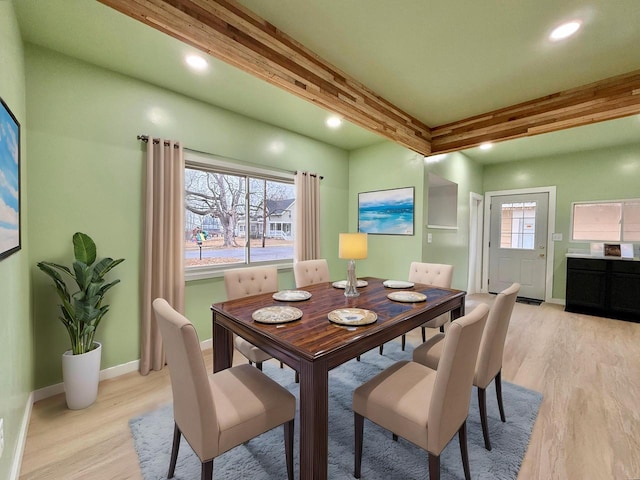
[[193, 159], [596, 202]]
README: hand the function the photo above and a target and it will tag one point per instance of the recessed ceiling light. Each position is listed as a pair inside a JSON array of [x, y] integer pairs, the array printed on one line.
[[565, 30], [333, 122], [196, 62], [486, 146]]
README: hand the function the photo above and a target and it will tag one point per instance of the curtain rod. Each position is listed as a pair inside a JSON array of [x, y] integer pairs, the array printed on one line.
[[156, 141], [311, 174]]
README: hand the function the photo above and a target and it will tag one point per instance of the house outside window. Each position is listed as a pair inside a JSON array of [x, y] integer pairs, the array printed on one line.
[[608, 221], [236, 215]]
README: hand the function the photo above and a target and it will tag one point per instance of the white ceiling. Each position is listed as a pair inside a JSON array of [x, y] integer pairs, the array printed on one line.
[[440, 61]]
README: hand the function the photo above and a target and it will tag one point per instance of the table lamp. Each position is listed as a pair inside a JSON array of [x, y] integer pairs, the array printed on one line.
[[352, 246]]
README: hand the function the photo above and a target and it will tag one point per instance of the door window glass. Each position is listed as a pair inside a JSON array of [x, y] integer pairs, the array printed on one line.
[[518, 225]]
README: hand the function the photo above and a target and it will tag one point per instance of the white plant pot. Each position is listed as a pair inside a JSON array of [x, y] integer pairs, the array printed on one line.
[[81, 375]]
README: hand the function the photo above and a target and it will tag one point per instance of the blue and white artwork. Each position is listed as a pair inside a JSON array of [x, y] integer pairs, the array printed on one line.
[[388, 212], [9, 182]]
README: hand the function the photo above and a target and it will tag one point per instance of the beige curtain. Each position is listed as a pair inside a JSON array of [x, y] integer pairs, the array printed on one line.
[[163, 274], [307, 243]]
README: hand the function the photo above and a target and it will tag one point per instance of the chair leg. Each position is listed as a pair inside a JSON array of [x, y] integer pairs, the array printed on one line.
[[394, 437], [404, 341], [207, 470], [174, 450], [259, 365], [381, 348], [250, 362], [358, 422], [281, 365], [358, 358], [297, 377], [424, 334], [288, 447], [434, 467], [462, 436], [498, 381], [482, 403]]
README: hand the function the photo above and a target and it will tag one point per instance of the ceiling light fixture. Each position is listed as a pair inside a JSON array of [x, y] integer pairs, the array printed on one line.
[[333, 122], [196, 62], [486, 146], [565, 30]]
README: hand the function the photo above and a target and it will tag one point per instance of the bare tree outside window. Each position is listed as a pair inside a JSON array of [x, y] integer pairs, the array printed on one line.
[[233, 218]]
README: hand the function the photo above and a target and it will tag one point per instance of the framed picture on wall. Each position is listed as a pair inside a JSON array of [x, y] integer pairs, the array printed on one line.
[[387, 212], [9, 182]]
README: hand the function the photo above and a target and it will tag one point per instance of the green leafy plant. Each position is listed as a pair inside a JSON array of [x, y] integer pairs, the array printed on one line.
[[82, 311]]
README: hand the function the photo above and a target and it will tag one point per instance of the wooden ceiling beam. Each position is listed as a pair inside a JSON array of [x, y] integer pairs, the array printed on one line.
[[234, 34], [607, 99]]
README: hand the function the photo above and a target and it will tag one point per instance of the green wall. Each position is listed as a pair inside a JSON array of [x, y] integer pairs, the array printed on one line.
[[452, 246], [381, 167], [85, 174], [387, 165], [611, 173], [16, 363]]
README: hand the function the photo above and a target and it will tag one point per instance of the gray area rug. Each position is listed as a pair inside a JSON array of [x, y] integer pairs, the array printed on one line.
[[263, 457]]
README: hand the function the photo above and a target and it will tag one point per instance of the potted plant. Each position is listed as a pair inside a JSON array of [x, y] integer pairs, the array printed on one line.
[[82, 312]]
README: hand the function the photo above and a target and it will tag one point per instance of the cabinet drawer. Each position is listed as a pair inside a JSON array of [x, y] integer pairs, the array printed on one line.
[[587, 264], [625, 266]]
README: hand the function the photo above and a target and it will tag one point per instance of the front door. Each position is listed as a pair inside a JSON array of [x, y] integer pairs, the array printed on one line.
[[518, 243]]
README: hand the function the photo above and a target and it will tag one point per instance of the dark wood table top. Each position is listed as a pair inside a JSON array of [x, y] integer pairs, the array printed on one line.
[[314, 337]]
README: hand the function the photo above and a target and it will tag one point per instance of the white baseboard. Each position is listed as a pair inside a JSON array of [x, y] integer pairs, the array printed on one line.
[[105, 374], [557, 301], [22, 440]]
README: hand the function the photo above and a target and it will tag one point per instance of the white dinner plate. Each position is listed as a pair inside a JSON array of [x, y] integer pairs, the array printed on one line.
[[397, 284], [343, 284], [276, 314], [291, 295], [409, 297], [352, 316]]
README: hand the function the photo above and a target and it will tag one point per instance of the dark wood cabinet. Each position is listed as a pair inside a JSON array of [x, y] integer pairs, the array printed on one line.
[[604, 287]]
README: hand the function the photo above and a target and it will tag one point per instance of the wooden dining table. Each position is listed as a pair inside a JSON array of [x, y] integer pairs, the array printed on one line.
[[313, 345]]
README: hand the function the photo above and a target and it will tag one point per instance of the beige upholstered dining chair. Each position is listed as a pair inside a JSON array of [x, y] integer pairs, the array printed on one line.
[[425, 406], [220, 411], [309, 272], [489, 363], [244, 282], [438, 275]]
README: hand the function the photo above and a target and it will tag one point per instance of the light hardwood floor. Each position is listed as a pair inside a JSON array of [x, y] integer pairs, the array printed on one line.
[[588, 427]]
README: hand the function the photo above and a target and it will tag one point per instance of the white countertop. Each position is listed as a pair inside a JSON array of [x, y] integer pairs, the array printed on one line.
[[601, 257]]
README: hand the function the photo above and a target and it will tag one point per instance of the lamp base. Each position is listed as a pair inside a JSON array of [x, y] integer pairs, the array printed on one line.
[[351, 289]]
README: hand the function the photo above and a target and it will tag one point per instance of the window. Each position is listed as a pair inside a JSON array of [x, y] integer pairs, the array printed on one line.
[[235, 215], [611, 221], [518, 225]]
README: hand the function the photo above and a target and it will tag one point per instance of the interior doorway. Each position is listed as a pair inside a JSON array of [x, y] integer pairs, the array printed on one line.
[[476, 203]]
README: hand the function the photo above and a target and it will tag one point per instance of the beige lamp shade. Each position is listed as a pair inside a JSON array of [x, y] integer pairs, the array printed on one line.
[[352, 246]]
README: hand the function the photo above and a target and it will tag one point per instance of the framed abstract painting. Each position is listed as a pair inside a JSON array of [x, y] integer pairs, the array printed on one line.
[[387, 212], [9, 182]]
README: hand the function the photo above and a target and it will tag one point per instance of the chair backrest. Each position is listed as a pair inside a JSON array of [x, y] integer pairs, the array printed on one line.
[[309, 272], [243, 282], [492, 343], [193, 407], [436, 274], [454, 378]]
